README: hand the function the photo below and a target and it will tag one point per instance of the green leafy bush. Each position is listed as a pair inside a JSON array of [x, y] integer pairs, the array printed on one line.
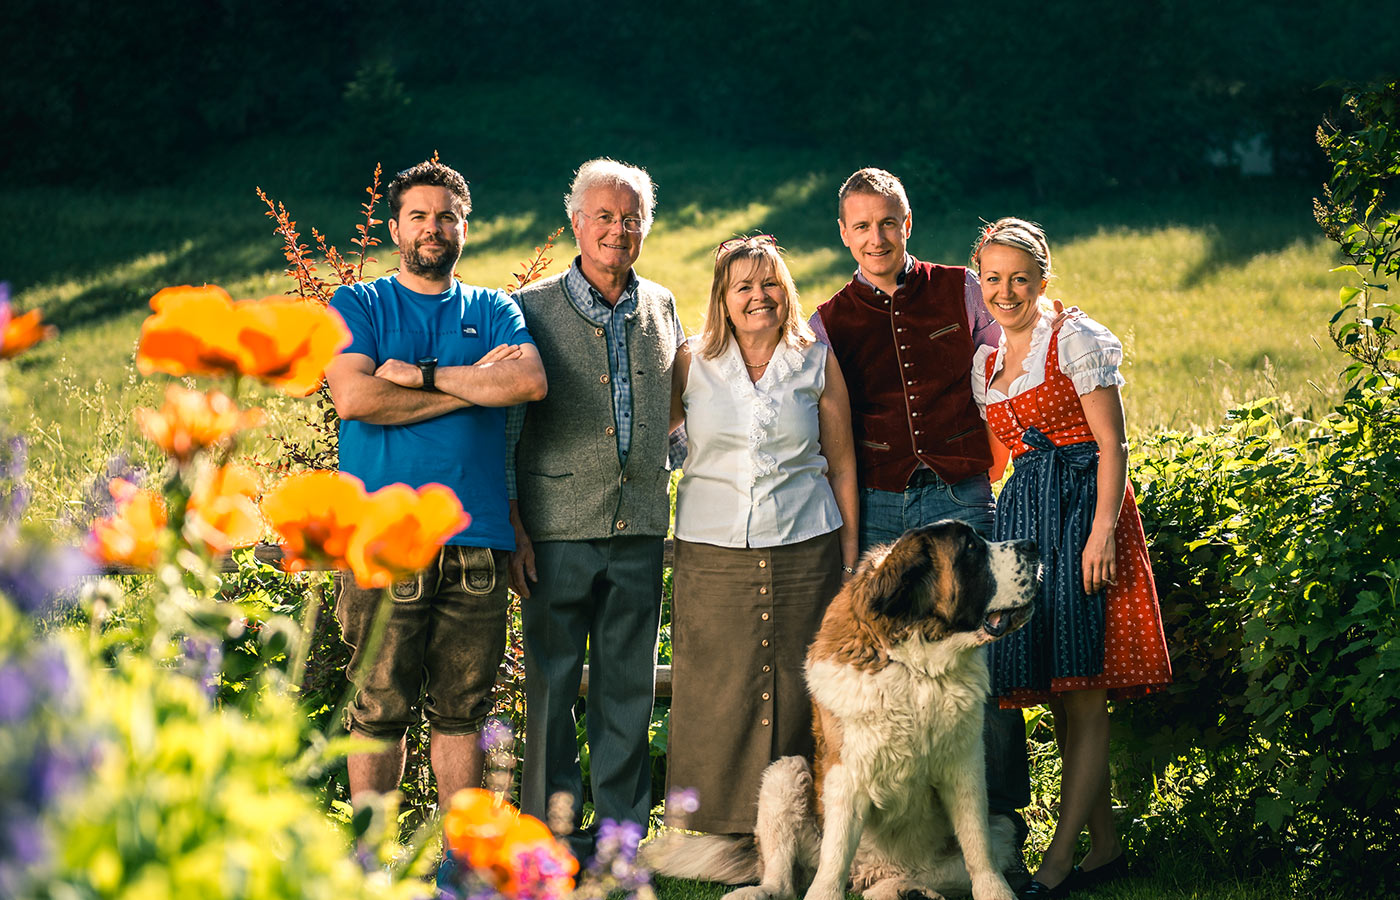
[[1277, 553]]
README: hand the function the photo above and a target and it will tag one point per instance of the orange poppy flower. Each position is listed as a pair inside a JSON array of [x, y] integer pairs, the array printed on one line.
[[193, 331], [315, 513], [223, 509], [289, 343], [131, 535], [201, 331], [190, 421], [401, 530], [19, 333], [492, 837]]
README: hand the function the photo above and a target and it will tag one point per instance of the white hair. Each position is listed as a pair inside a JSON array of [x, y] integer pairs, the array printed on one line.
[[610, 172]]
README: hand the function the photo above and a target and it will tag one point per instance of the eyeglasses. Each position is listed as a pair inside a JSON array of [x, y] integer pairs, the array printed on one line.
[[758, 240], [630, 224]]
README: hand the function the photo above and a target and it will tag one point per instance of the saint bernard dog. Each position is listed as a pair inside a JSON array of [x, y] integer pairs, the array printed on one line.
[[896, 803]]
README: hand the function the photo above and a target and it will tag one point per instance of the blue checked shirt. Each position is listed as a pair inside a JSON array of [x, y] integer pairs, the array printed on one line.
[[613, 320]]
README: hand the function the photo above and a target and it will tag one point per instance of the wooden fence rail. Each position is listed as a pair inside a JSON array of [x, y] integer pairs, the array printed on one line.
[[271, 554]]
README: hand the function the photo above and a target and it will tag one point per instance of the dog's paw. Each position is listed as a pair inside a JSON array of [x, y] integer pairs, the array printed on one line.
[[752, 892], [991, 886]]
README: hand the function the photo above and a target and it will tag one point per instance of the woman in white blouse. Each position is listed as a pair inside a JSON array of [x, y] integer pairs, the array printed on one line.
[[1052, 397], [765, 532]]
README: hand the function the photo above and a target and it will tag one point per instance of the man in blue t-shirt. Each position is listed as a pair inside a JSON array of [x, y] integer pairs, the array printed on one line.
[[422, 392]]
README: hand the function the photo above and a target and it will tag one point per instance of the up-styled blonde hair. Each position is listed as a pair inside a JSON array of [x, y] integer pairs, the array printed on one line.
[[761, 254], [1020, 234]]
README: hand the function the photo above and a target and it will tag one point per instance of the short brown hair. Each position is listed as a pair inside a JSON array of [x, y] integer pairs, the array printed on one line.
[[871, 181], [434, 174]]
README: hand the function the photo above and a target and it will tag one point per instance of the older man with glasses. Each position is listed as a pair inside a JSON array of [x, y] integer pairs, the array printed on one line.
[[591, 475]]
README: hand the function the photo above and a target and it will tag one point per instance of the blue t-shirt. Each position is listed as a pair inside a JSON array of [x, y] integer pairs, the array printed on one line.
[[463, 449]]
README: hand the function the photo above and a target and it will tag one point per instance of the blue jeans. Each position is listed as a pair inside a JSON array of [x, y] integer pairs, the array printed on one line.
[[884, 516]]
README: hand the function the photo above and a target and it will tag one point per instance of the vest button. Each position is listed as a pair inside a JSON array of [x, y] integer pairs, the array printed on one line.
[[767, 668], [764, 642], [621, 525], [765, 721], [766, 696], [603, 379], [764, 617], [624, 479], [763, 590], [763, 563], [598, 331]]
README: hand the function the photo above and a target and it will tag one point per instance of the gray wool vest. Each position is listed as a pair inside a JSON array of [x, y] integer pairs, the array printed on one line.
[[570, 483]]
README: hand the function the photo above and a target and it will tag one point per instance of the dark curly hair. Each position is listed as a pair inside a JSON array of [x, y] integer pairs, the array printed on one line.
[[435, 174]]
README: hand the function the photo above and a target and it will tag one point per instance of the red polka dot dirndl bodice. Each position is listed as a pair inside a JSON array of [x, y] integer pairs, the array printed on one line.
[[1135, 659]]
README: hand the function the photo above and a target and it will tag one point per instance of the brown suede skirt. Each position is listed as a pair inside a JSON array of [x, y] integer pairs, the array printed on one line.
[[741, 623]]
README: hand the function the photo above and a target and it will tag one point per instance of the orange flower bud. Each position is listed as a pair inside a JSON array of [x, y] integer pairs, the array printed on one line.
[[315, 513], [190, 421], [401, 530], [131, 535], [223, 509], [19, 333]]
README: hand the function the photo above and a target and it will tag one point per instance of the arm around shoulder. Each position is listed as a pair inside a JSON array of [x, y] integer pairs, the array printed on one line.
[[838, 446], [680, 376]]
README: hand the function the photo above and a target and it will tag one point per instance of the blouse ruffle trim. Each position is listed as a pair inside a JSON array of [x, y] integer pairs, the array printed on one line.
[[787, 360], [1097, 356]]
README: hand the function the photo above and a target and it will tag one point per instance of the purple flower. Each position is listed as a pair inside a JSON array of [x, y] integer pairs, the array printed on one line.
[[203, 661], [51, 771], [23, 841], [15, 693], [97, 495], [680, 803], [496, 735], [36, 577]]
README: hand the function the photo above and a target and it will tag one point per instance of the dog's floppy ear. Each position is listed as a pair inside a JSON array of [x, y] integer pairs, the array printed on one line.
[[902, 577]]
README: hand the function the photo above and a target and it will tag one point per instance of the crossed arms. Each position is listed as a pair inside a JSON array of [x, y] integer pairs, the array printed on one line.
[[391, 394]]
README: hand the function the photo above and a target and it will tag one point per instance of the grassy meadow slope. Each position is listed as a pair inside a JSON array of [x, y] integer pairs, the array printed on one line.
[[1220, 292]]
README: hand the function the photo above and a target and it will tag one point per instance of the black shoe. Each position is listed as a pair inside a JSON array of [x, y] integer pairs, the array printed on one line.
[[1037, 890], [1112, 870]]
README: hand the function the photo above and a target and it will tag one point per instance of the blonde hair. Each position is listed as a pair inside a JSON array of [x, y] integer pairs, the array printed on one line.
[[1020, 234], [763, 254]]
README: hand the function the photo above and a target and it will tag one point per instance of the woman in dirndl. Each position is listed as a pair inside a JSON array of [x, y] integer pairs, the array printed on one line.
[[1052, 397], [765, 532]]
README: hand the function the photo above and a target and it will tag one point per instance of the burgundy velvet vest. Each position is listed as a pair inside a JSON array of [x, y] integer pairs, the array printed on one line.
[[907, 361]]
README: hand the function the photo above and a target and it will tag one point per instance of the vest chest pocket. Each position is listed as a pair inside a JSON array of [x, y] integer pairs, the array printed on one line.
[[946, 329]]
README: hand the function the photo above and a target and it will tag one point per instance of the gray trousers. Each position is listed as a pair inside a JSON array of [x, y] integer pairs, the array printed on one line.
[[601, 597]]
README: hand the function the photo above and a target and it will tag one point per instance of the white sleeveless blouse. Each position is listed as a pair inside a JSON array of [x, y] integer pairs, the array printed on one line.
[[755, 475]]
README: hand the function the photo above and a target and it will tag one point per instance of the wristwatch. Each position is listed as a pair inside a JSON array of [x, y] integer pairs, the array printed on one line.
[[428, 366]]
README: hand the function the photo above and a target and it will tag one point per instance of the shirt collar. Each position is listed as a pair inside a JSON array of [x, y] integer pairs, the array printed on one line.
[[586, 297], [899, 279]]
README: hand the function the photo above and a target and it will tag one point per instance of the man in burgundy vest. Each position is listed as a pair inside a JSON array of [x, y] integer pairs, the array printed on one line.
[[904, 332]]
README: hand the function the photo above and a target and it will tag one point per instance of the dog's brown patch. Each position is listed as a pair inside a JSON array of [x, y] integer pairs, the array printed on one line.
[[910, 587]]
